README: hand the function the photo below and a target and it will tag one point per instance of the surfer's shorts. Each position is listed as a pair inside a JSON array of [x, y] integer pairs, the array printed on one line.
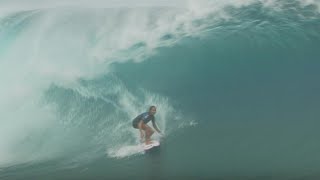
[[135, 123]]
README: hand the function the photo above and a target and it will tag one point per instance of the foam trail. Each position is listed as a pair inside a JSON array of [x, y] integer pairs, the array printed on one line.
[[125, 151]]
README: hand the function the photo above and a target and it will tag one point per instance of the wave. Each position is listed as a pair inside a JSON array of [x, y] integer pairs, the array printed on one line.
[[61, 93]]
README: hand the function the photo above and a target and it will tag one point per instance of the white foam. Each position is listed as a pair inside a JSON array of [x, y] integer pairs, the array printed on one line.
[[125, 151], [118, 135]]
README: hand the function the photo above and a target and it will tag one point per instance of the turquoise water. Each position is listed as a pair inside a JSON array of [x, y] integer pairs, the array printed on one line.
[[235, 84]]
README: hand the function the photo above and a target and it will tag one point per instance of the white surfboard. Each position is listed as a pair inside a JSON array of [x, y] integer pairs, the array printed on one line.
[[154, 143]]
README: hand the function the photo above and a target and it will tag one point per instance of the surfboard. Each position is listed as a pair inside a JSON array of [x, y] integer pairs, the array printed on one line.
[[154, 143]]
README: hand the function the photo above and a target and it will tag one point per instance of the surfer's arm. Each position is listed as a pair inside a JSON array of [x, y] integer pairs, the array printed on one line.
[[155, 126]]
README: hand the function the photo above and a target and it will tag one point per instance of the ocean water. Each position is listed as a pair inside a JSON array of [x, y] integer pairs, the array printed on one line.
[[236, 85]]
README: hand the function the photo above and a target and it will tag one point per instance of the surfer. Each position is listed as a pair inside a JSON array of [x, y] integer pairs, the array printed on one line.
[[140, 122]]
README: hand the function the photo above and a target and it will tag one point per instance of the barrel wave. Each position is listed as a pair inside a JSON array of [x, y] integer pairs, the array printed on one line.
[[235, 84]]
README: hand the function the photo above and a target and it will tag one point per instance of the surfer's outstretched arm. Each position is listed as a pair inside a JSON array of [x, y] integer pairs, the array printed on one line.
[[155, 126]]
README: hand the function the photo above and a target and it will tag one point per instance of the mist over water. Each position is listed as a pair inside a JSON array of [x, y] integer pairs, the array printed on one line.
[[234, 82]]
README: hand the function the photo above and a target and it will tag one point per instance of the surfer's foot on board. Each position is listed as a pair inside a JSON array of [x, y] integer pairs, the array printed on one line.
[[148, 141]]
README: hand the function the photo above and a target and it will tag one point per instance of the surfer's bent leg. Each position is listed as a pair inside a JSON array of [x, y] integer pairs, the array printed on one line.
[[148, 130]]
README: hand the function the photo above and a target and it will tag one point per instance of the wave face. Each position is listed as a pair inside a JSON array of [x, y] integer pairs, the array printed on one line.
[[234, 82]]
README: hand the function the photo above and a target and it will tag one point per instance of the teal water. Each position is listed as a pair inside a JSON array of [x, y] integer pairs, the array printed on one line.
[[235, 83]]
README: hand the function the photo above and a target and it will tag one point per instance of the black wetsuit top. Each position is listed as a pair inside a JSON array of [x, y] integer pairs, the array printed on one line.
[[145, 117]]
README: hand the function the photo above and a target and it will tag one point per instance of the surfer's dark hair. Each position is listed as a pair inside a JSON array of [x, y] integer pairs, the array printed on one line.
[[152, 107]]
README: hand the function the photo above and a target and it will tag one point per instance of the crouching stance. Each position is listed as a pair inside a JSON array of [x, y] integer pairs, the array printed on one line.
[[140, 122]]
